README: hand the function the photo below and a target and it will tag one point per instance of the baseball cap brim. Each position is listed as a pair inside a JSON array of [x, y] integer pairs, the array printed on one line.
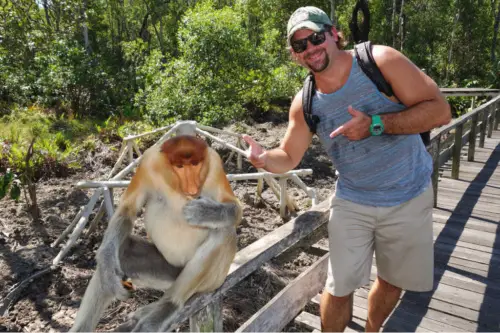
[[316, 27]]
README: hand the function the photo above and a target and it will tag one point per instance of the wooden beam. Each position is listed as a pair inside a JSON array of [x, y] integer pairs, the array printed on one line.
[[208, 319], [484, 122], [434, 150], [457, 149], [279, 311], [472, 139]]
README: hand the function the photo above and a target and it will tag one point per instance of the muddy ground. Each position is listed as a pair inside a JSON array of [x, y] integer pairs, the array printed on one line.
[[50, 302]]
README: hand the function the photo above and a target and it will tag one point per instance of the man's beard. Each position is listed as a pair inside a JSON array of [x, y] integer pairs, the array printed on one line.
[[319, 66]]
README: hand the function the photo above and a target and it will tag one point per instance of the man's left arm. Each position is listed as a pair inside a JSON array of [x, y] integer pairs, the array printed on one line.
[[426, 109]]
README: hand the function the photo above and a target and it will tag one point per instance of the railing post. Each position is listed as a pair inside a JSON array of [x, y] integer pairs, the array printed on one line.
[[472, 139], [283, 197], [497, 118], [482, 128], [435, 148], [457, 149], [491, 121], [208, 319]]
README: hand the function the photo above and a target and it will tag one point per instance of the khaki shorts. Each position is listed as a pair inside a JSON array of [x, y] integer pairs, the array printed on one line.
[[401, 237]]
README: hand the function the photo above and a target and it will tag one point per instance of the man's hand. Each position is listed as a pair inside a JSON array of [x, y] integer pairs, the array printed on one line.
[[255, 153], [357, 128]]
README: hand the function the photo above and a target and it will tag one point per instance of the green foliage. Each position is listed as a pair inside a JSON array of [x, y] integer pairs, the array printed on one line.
[[208, 60], [217, 73], [9, 184]]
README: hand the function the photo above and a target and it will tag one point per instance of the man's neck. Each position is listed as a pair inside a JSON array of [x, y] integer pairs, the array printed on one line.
[[336, 75]]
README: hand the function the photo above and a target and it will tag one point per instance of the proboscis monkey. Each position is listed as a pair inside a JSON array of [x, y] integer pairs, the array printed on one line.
[[191, 217]]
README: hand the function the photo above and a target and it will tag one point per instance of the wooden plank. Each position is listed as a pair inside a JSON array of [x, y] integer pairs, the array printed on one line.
[[278, 312], [467, 245], [467, 254], [465, 235], [472, 203], [446, 183], [454, 323], [466, 211], [451, 294], [208, 319], [473, 194], [402, 319], [313, 322], [409, 316], [469, 223]]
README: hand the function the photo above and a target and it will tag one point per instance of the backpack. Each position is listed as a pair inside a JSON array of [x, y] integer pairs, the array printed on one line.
[[363, 53]]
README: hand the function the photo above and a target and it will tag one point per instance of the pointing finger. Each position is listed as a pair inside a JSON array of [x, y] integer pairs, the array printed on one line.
[[339, 130]]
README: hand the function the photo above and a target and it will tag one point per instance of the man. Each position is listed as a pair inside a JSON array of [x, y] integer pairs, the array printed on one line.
[[383, 198]]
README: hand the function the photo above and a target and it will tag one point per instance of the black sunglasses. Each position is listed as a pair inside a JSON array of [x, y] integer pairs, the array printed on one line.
[[300, 45]]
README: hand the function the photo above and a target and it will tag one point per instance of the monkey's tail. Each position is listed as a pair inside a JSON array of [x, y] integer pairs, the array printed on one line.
[[94, 303]]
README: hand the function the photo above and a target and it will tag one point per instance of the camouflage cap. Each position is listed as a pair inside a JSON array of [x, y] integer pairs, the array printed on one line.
[[308, 17]]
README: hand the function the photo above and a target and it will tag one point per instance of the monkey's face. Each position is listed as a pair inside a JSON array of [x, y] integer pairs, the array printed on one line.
[[187, 157], [188, 172]]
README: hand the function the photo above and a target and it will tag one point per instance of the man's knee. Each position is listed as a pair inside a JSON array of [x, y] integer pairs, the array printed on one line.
[[388, 287], [329, 300]]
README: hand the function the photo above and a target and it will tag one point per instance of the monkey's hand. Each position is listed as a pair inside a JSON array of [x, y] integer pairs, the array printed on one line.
[[208, 213], [111, 275]]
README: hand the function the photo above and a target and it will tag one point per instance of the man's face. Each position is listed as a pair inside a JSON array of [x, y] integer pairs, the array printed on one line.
[[315, 57]]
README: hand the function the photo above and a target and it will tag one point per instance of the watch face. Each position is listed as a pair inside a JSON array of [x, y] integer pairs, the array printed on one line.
[[377, 129]]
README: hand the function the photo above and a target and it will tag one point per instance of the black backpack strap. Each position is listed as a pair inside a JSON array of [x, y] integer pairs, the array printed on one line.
[[363, 52], [307, 95]]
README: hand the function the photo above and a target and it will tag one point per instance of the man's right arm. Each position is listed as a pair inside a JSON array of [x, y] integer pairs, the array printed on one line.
[[292, 148]]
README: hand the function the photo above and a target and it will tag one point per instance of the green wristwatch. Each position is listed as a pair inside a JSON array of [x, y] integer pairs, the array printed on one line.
[[377, 127]]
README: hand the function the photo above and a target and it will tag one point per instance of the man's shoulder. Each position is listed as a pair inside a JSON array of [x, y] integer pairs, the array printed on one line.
[[384, 53]]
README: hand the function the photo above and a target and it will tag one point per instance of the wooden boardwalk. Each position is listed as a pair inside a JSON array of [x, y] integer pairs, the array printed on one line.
[[466, 294]]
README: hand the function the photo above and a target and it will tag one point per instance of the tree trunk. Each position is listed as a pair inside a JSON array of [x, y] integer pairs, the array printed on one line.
[[494, 61], [85, 29], [393, 21], [455, 21], [401, 26], [332, 12], [46, 9]]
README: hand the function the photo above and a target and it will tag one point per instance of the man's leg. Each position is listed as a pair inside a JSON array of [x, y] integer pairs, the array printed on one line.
[[382, 299], [404, 252], [335, 312], [351, 242]]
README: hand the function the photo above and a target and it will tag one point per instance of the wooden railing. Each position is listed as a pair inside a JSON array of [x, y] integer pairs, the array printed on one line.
[[480, 121]]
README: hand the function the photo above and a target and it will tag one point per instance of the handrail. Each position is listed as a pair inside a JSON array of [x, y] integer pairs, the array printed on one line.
[[490, 118], [463, 118]]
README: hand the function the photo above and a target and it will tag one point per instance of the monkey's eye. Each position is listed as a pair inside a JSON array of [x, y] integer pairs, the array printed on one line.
[[195, 163], [180, 166]]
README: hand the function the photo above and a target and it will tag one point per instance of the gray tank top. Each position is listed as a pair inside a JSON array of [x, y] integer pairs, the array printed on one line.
[[384, 170]]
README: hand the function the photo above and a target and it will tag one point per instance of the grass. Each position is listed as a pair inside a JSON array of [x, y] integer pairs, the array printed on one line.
[[59, 140]]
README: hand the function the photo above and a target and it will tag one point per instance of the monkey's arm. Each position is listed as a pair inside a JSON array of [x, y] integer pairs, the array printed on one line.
[[208, 213], [119, 228]]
